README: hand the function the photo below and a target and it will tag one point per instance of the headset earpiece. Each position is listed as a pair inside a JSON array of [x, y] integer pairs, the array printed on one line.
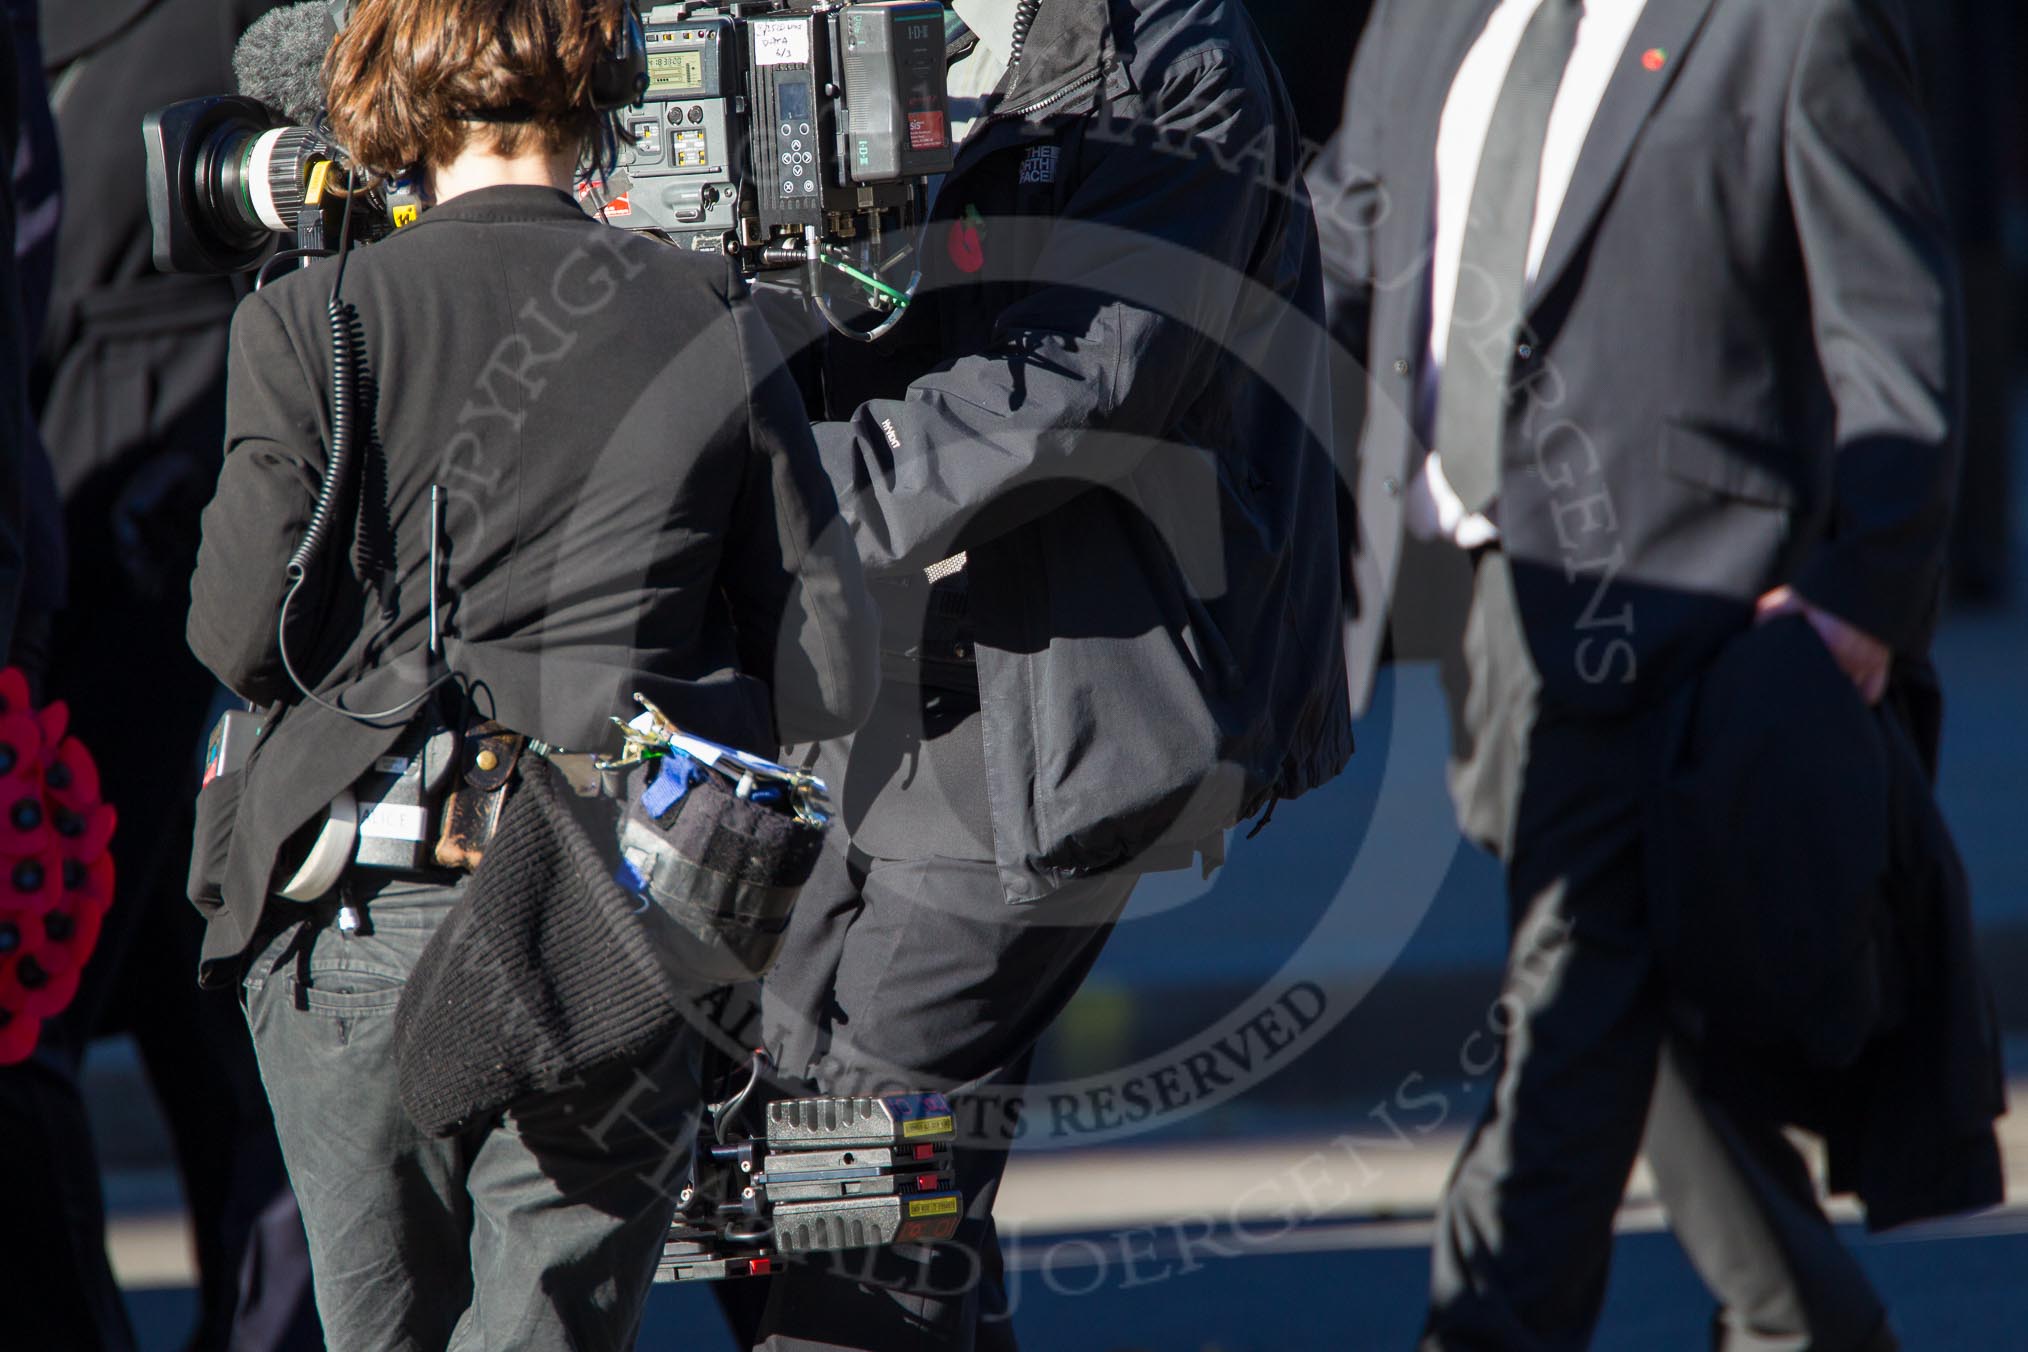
[[621, 80]]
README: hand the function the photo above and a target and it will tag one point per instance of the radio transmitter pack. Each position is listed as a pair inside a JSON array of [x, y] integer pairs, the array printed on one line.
[[825, 1174]]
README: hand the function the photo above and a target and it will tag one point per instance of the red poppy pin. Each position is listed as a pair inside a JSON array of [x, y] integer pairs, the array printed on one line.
[[967, 243]]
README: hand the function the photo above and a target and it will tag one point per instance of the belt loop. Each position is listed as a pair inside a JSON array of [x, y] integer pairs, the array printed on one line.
[[299, 949]]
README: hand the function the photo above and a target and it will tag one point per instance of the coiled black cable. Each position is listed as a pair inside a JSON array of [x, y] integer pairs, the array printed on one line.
[[337, 472], [1024, 20], [338, 465]]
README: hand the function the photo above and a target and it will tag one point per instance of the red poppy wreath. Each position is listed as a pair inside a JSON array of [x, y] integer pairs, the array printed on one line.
[[56, 869]]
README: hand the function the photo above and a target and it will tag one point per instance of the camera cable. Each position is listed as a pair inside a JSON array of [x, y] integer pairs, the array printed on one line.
[[338, 471]]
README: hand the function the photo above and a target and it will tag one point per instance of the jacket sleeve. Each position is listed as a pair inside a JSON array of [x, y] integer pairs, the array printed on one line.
[[1885, 308], [790, 572], [1350, 198], [1141, 274], [267, 487]]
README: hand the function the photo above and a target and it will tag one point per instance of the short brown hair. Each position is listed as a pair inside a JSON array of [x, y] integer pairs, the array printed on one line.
[[406, 76]]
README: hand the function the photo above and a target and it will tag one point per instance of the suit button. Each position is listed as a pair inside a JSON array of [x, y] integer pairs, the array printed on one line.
[[1392, 485], [1401, 366]]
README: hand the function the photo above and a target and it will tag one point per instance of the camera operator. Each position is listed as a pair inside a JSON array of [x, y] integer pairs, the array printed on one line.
[[635, 505], [1084, 477]]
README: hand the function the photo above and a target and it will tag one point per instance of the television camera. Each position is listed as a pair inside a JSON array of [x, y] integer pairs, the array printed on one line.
[[784, 134]]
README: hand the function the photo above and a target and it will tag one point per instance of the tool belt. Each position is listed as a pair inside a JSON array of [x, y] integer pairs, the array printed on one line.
[[426, 810], [603, 905], [432, 806]]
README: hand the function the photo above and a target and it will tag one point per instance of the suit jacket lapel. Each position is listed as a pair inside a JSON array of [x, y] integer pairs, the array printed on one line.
[[1668, 26]]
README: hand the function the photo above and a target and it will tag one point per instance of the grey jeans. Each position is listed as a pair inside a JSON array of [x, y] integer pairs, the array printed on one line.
[[539, 1230]]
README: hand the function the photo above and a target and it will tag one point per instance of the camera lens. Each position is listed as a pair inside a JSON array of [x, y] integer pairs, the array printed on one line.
[[225, 171], [223, 180], [265, 176]]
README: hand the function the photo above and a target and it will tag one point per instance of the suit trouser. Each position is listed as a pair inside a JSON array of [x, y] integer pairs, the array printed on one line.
[[1593, 1056], [916, 975]]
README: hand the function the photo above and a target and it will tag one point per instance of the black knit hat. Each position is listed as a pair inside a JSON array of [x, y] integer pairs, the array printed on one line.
[[548, 972]]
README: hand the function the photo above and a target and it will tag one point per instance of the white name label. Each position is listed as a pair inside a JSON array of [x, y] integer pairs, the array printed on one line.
[[395, 821], [781, 44]]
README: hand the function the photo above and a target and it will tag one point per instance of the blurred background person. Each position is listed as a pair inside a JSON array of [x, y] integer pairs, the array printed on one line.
[[129, 389], [38, 213], [1966, 55]]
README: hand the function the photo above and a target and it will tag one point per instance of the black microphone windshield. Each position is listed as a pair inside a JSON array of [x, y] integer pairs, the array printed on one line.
[[280, 60]]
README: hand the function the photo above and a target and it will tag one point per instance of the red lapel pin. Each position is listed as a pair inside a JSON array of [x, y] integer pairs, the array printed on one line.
[[1654, 59]]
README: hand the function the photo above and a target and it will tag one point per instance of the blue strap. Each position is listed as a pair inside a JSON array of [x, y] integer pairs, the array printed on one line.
[[672, 781], [629, 877]]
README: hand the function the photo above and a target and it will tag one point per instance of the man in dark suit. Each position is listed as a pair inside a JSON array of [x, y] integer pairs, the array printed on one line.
[[1658, 332]]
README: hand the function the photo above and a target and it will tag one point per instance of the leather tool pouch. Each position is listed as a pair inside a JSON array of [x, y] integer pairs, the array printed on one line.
[[472, 811]]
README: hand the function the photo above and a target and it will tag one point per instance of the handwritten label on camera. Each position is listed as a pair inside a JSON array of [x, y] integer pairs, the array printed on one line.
[[781, 44]]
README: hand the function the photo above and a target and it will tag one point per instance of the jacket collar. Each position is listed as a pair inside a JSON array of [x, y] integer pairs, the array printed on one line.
[[512, 202], [1664, 34], [1068, 62], [1071, 41]]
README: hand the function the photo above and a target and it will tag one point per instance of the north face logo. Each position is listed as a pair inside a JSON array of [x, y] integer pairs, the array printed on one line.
[[1040, 166]]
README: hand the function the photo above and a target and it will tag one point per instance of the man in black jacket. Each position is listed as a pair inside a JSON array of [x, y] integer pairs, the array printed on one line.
[[1087, 478], [1662, 328]]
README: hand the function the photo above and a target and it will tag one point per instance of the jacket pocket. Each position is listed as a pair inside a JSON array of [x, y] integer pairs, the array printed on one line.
[[1729, 463], [211, 844]]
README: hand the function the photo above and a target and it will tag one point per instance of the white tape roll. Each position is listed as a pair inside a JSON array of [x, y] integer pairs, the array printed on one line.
[[331, 855]]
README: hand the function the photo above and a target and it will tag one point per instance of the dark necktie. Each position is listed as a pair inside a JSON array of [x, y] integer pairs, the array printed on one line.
[[1493, 271]]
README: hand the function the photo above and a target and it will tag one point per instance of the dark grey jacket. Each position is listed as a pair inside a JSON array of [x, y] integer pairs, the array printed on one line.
[[1834, 962], [635, 504], [1744, 365], [1113, 394]]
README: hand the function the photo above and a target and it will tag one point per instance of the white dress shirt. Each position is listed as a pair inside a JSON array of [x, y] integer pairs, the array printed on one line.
[[1433, 510]]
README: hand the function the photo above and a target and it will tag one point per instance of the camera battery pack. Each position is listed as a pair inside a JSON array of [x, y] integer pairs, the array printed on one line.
[[834, 1173], [862, 1222], [897, 123], [830, 1123]]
